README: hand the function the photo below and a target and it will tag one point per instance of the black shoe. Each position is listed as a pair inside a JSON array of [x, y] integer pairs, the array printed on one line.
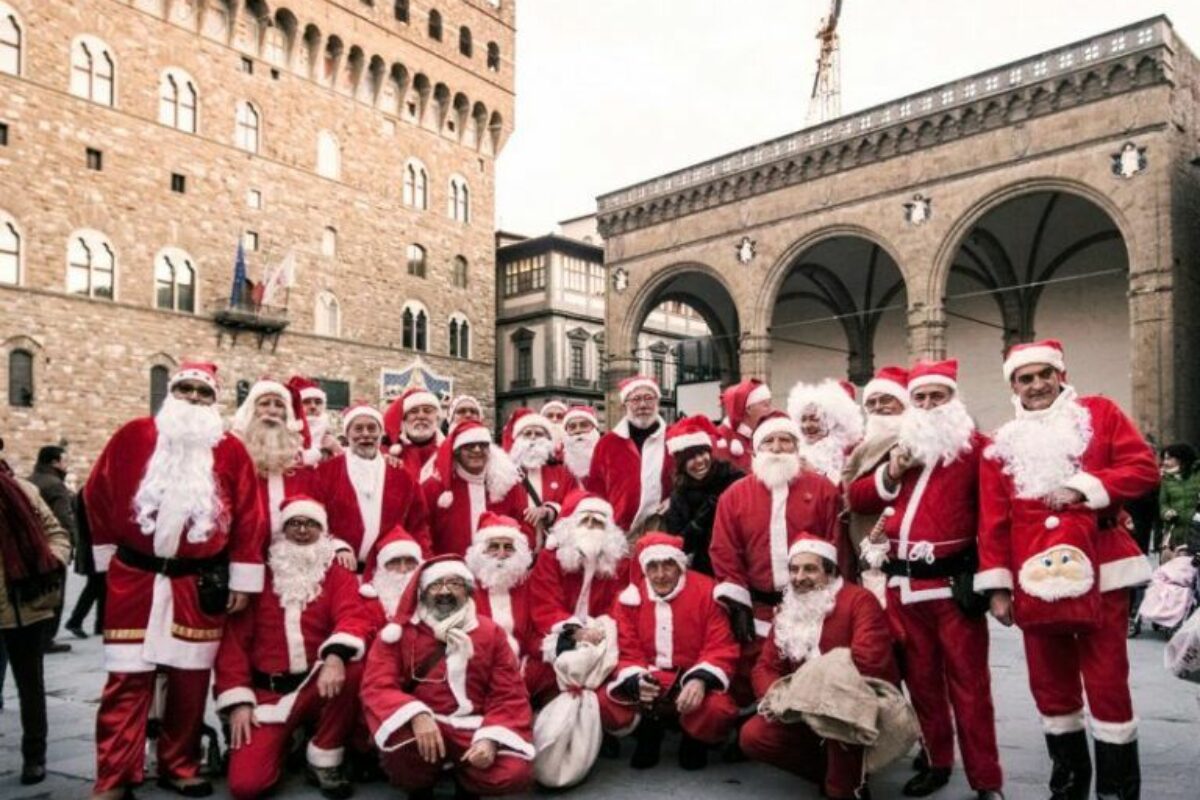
[[421, 794], [649, 736], [1071, 773], [57, 647], [76, 630], [198, 789], [733, 754], [330, 780], [610, 746], [693, 754], [920, 762], [1118, 773], [364, 767], [926, 783], [33, 773], [989, 794], [461, 793], [1135, 628]]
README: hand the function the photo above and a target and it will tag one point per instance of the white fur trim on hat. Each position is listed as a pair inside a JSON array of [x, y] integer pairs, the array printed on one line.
[[361, 411], [737, 448], [554, 404], [639, 383], [422, 398], [309, 392], [472, 436], [775, 425], [533, 420], [303, 508], [260, 389], [445, 569], [927, 380], [594, 505], [818, 547], [662, 552], [579, 413], [676, 444], [398, 549], [885, 386], [498, 531], [205, 377], [759, 393], [1033, 355]]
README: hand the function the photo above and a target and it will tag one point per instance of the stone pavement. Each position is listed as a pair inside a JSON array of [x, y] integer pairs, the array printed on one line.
[[1170, 741]]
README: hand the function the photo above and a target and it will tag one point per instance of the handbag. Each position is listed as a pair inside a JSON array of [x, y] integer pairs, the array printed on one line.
[[212, 589]]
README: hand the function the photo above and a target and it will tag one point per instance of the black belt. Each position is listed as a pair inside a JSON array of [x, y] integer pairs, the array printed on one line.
[[171, 567], [280, 682], [766, 598], [960, 562]]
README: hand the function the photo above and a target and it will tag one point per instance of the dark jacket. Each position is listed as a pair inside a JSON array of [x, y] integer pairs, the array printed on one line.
[[54, 491], [693, 510]]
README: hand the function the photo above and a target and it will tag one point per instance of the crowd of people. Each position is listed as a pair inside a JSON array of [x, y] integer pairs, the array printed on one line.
[[408, 599]]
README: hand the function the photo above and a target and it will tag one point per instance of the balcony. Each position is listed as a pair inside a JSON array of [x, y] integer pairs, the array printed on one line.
[[264, 322]]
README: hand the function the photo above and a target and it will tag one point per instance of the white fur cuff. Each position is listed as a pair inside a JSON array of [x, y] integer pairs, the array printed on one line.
[[1115, 732], [731, 591], [353, 642], [996, 578], [1093, 491], [1066, 723], [399, 718], [715, 671], [234, 697], [881, 484], [246, 577], [324, 759], [505, 737]]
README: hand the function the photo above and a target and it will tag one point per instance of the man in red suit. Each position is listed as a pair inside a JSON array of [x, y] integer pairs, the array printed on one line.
[[411, 425], [443, 694], [368, 494], [931, 482], [529, 439], [830, 425], [321, 444], [745, 404], [758, 517], [470, 476], [294, 658], [677, 655], [391, 565], [463, 408], [581, 433], [884, 399], [172, 500], [819, 613], [1052, 485], [631, 468]]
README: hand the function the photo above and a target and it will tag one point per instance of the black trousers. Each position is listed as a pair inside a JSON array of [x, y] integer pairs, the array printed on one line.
[[93, 592], [23, 646]]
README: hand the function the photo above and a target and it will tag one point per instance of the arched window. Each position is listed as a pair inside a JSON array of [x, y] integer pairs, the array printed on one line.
[[10, 251], [329, 156], [93, 70], [435, 26], [275, 45], [464, 41], [416, 185], [460, 272], [460, 337], [11, 41], [159, 376], [329, 242], [91, 265], [175, 281], [247, 127], [20, 379], [493, 57], [459, 200], [177, 99], [327, 321], [416, 260], [400, 11], [415, 327]]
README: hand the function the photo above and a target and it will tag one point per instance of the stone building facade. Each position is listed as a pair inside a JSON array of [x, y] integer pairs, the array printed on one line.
[[349, 146], [1055, 196]]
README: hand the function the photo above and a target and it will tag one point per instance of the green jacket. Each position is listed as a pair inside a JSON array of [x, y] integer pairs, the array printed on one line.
[[60, 544], [1177, 498]]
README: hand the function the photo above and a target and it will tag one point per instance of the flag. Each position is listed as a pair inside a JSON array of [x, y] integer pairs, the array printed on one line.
[[239, 277], [282, 277]]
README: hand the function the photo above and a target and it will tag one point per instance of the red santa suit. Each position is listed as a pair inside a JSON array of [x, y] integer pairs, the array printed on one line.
[[416, 456], [677, 637], [153, 618], [381, 588], [456, 499], [735, 430], [545, 485], [578, 449], [472, 688], [270, 657], [854, 620], [1075, 628]]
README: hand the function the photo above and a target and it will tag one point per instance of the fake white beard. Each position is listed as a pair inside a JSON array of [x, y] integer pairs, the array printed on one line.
[[578, 547], [500, 475], [298, 570], [577, 452], [881, 425], [641, 424], [500, 574], [825, 456], [419, 433], [1042, 451], [939, 434], [271, 446], [532, 453], [776, 470], [318, 426], [178, 487], [800, 618], [390, 586]]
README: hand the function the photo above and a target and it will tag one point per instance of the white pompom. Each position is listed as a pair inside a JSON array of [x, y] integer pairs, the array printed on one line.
[[1052, 522], [737, 448], [296, 425], [721, 443], [368, 591], [390, 633], [445, 499], [889, 512], [394, 450]]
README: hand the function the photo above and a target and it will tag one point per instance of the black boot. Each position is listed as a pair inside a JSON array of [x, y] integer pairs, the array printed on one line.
[[926, 783], [649, 737], [1071, 776], [610, 746], [1118, 773], [693, 753], [462, 793]]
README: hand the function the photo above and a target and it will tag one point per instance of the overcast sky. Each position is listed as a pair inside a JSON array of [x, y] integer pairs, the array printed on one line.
[[611, 92]]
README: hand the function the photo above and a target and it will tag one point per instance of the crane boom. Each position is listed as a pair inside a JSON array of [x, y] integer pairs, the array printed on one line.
[[825, 102]]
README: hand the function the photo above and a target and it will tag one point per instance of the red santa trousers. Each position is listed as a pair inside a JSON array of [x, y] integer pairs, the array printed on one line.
[[254, 768], [540, 682], [121, 726], [837, 767], [508, 774], [946, 666], [710, 723], [1057, 663]]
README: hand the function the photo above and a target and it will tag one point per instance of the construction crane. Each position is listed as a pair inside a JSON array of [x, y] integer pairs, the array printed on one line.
[[826, 100]]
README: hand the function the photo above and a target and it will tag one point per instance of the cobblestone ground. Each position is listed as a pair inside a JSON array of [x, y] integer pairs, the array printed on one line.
[[1170, 741]]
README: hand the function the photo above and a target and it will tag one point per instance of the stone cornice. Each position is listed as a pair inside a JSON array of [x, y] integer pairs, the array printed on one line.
[[1102, 66]]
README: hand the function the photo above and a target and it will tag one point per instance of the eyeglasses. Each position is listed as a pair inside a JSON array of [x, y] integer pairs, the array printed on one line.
[[185, 388], [642, 400], [297, 523], [447, 583], [477, 447]]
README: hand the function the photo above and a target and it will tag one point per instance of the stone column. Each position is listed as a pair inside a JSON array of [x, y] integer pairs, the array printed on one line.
[[926, 331], [1150, 356], [755, 357]]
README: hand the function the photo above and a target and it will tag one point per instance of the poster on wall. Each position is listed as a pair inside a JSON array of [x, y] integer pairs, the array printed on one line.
[[393, 382]]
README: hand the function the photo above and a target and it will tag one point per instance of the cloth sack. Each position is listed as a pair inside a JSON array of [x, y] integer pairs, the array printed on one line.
[[1058, 585], [1169, 597], [1182, 654], [567, 732]]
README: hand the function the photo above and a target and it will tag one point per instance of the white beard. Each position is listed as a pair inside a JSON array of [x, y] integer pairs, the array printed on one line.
[[298, 570], [532, 453], [937, 435], [578, 547], [390, 586], [577, 452], [420, 435], [179, 487], [825, 456], [500, 574], [881, 425], [500, 475], [272, 446], [800, 618], [318, 426], [776, 470], [1041, 451]]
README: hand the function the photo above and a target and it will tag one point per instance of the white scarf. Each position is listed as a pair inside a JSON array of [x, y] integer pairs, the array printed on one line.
[[367, 477], [455, 632]]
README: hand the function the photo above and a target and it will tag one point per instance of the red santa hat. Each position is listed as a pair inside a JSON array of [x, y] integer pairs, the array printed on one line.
[[498, 526], [582, 412], [850, 389], [464, 400], [361, 409], [942, 373], [518, 422], [393, 416], [307, 387], [263, 388], [581, 502], [396, 543], [637, 383], [775, 422], [1047, 351], [431, 571], [203, 371], [735, 399], [840, 413], [889, 380], [553, 405], [694, 431], [655, 546], [468, 432], [301, 505], [807, 543]]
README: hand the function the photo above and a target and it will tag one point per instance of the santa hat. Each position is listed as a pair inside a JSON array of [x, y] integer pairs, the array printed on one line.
[[396, 543], [203, 371], [890, 380], [838, 409], [497, 526], [1047, 351], [553, 405], [655, 546], [518, 422], [361, 409], [807, 543], [393, 416], [636, 383], [694, 431], [775, 422], [734, 400], [307, 388], [301, 505], [464, 400], [433, 570], [582, 412], [579, 502], [850, 389], [942, 373], [469, 432], [263, 388]]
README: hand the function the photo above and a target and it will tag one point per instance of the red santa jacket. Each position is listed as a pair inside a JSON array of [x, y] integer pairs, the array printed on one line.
[[686, 632], [749, 553], [414, 457], [273, 489], [401, 503], [509, 609], [857, 622], [936, 515], [453, 524], [1117, 466], [740, 455], [183, 635], [632, 481], [558, 595], [490, 698], [552, 483], [273, 639]]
